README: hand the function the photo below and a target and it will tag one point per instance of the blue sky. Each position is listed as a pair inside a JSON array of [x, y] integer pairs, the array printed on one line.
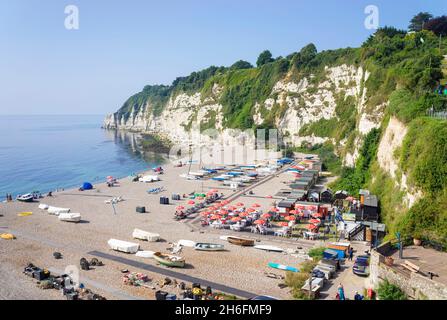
[[123, 45]]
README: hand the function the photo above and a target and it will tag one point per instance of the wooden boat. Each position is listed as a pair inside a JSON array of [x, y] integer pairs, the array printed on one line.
[[241, 241], [269, 248], [25, 198], [70, 217], [282, 267], [209, 247], [169, 260]]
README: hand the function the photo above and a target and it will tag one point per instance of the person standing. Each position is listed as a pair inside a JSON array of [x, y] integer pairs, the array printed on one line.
[[350, 253], [358, 296], [341, 292]]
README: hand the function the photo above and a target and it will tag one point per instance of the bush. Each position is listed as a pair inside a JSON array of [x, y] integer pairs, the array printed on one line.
[[389, 291], [316, 253]]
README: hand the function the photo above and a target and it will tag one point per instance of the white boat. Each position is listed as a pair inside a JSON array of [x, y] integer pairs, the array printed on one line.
[[144, 235], [56, 211], [225, 238], [188, 176], [197, 174], [268, 248], [43, 206], [145, 254], [70, 217], [123, 246], [25, 198], [186, 243], [149, 178]]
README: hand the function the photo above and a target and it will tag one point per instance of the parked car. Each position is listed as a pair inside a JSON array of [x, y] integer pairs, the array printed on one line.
[[361, 266]]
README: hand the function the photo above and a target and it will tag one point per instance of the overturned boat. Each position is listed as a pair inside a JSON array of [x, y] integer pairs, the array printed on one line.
[[123, 246], [241, 241], [209, 247], [70, 217], [144, 235]]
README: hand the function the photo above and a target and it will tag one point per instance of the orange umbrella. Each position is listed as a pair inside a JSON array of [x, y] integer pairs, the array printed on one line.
[[240, 204], [266, 216], [243, 214], [311, 226], [259, 221], [317, 215], [236, 219], [180, 208], [251, 210], [231, 208], [191, 202], [256, 205], [223, 212], [215, 217], [290, 218], [293, 212], [283, 224], [225, 202], [204, 214], [314, 221], [274, 209]]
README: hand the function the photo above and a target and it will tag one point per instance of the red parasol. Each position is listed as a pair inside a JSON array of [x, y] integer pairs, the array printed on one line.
[[314, 221], [293, 211], [259, 221], [283, 224], [243, 214], [236, 219], [256, 205], [274, 209], [250, 210], [191, 202], [215, 217], [317, 215], [311, 226], [266, 216], [240, 204], [180, 208], [290, 218]]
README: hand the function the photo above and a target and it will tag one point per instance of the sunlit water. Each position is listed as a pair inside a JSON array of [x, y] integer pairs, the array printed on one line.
[[48, 152]]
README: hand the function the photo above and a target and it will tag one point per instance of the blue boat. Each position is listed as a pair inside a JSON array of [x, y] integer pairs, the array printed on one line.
[[218, 179], [235, 173], [282, 267]]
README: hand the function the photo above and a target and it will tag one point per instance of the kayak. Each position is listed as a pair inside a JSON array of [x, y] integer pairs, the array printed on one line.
[[282, 267], [268, 248]]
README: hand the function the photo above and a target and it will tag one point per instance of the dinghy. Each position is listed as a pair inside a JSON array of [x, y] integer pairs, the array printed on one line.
[[282, 267], [144, 235], [241, 241], [123, 246], [209, 247], [70, 217], [43, 206], [268, 248], [169, 260], [145, 254], [25, 198], [56, 211], [186, 243]]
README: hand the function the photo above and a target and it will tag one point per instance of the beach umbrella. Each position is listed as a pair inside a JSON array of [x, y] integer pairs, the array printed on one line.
[[314, 221], [259, 221], [205, 214], [243, 214], [274, 209], [225, 202], [266, 216], [191, 202], [290, 218], [239, 204], [311, 227], [231, 208], [215, 217], [180, 208], [284, 214], [236, 219], [317, 215], [256, 205], [250, 210], [283, 224], [293, 212], [223, 212]]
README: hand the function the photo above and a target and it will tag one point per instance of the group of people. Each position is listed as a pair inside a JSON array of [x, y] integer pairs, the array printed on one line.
[[8, 197], [341, 294]]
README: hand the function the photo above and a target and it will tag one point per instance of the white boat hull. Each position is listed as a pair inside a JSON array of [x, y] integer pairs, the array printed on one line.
[[70, 217], [123, 246], [269, 248]]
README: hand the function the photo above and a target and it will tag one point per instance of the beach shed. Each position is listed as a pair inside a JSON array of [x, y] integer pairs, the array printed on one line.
[[311, 173], [300, 185], [326, 196], [371, 208], [341, 194], [286, 205]]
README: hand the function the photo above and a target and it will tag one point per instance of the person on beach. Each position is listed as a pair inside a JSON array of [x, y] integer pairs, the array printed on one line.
[[358, 296], [351, 253], [341, 292]]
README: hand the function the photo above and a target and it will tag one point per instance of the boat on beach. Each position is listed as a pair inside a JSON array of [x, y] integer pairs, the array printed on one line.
[[282, 267], [123, 246], [169, 260], [70, 217], [241, 241], [25, 198], [209, 247], [268, 248], [57, 211]]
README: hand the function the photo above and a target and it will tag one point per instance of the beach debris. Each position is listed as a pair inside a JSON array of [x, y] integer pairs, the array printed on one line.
[[85, 265], [124, 271], [114, 200], [273, 275], [135, 279], [7, 236], [57, 255], [43, 206], [96, 262], [24, 214]]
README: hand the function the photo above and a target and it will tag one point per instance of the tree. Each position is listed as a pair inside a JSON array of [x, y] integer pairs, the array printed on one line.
[[388, 291], [241, 64], [437, 25], [418, 21], [264, 57]]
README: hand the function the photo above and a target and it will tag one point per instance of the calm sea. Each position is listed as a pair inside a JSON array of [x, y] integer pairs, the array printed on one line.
[[42, 153]]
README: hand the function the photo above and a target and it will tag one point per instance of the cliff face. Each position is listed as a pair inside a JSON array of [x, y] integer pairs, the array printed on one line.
[[303, 102]]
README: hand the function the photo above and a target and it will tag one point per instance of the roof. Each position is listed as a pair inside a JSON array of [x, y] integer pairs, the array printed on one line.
[[375, 226], [286, 203], [364, 192], [370, 201]]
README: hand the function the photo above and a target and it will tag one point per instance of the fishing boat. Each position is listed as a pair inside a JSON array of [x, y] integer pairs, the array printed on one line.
[[209, 247], [269, 248], [241, 241], [70, 217], [282, 267], [169, 260], [26, 198]]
